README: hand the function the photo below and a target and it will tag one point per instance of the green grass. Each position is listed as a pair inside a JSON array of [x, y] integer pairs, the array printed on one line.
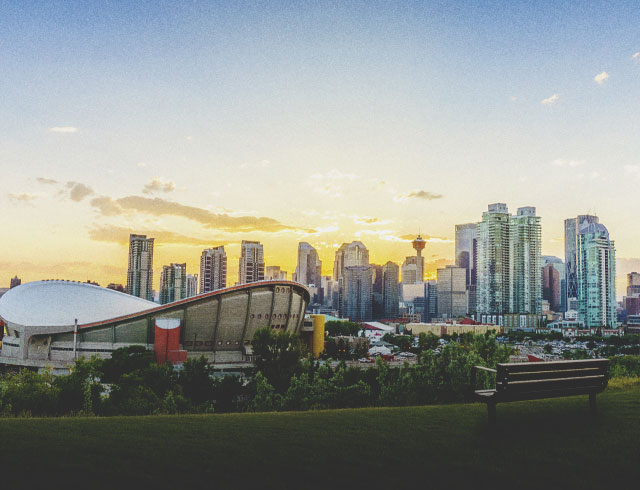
[[547, 442]]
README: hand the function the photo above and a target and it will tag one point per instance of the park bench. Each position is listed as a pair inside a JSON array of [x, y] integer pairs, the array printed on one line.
[[533, 380]]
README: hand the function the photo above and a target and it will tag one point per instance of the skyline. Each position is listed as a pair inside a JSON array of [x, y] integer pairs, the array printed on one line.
[[207, 124]]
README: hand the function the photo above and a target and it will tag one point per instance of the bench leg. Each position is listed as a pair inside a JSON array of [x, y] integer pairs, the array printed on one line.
[[491, 409], [592, 404]]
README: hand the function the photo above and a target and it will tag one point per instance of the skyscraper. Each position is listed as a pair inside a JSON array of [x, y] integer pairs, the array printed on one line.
[[192, 285], [251, 263], [390, 289], [525, 262], [596, 273], [15, 281], [309, 268], [213, 269], [173, 283], [275, 273], [551, 287], [558, 264], [355, 293], [377, 291], [452, 291], [493, 261], [466, 249], [352, 254], [140, 270], [571, 235]]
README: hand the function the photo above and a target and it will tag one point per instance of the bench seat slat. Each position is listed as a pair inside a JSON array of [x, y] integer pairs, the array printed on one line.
[[493, 396], [552, 384], [563, 373], [552, 365]]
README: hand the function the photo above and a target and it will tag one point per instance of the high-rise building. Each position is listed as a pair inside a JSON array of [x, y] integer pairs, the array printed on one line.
[[353, 254], [551, 287], [15, 281], [525, 262], [328, 288], [571, 235], [140, 270], [192, 285], [213, 269], [355, 293], [558, 265], [173, 283], [377, 292], [452, 291], [431, 300], [633, 284], [251, 263], [116, 287], [467, 250], [509, 279], [493, 273], [309, 268], [274, 273], [390, 289], [596, 274]]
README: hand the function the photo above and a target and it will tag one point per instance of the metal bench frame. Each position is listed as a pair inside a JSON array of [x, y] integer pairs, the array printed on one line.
[[535, 380]]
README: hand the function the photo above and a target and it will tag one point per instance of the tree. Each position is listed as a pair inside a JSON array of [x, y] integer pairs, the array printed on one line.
[[277, 356]]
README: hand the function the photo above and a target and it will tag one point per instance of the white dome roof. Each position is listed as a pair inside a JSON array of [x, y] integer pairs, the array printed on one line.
[[60, 303]]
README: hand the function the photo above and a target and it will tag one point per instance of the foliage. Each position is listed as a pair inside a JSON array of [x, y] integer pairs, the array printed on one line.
[[335, 328], [277, 356]]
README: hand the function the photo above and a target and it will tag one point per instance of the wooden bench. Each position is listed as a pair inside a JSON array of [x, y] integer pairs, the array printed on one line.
[[533, 380]]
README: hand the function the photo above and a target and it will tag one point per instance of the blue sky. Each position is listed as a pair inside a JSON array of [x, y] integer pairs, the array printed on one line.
[[318, 115]]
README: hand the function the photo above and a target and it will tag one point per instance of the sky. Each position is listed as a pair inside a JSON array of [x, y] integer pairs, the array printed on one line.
[[206, 123]]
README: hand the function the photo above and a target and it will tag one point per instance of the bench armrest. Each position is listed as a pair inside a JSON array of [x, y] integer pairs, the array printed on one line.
[[485, 369], [473, 374]]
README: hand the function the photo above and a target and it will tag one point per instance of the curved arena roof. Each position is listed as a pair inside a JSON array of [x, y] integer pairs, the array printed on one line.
[[60, 303]]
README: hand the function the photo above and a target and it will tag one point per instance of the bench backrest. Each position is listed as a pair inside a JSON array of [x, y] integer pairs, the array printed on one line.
[[555, 377]]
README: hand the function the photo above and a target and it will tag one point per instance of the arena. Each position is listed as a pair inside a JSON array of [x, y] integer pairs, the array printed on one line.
[[52, 323]]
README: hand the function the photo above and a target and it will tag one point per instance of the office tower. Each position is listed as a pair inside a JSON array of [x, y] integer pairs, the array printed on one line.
[[213, 269], [140, 270], [377, 292], [551, 287], [466, 250], [192, 285], [493, 273], [559, 266], [274, 273], [15, 281], [431, 300], [633, 284], [251, 263], [355, 293], [452, 291], [596, 274], [390, 289], [327, 290], [571, 234], [173, 283], [353, 254], [525, 262], [309, 268]]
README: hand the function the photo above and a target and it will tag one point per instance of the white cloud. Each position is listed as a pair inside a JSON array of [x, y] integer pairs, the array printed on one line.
[[600, 78], [24, 197], [632, 170], [594, 175], [158, 184], [418, 194], [560, 162], [550, 100], [636, 56], [63, 129]]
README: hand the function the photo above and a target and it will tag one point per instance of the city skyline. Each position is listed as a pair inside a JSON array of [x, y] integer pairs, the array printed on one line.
[[210, 124]]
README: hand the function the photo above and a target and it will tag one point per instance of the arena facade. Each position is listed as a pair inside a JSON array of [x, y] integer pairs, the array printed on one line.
[[52, 323]]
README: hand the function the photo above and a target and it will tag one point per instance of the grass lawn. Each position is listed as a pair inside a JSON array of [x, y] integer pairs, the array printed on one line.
[[551, 443]]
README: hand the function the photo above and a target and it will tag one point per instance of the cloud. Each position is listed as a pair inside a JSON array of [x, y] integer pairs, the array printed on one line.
[[63, 129], [560, 162], [419, 194], [550, 100], [367, 220], [632, 170], [158, 184], [141, 164], [600, 78], [78, 191], [44, 180], [118, 234], [23, 197], [636, 56], [108, 206]]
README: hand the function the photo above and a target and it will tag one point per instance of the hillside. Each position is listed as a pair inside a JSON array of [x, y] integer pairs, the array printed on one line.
[[546, 442]]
